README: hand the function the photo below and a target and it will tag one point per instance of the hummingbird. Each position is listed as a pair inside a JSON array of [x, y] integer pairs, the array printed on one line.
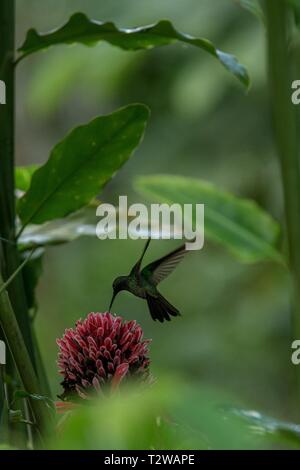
[[143, 283]]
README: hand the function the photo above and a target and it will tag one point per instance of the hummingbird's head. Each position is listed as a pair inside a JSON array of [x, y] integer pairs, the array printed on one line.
[[120, 283]]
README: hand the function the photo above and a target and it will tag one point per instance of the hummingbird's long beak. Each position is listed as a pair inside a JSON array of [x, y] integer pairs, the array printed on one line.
[[112, 301]]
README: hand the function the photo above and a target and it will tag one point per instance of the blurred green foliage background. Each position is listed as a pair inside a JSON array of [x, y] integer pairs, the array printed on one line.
[[234, 334]]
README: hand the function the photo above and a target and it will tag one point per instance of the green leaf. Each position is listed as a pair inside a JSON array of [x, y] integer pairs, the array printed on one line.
[[206, 419], [81, 164], [262, 424], [239, 224], [254, 7], [58, 231], [23, 175], [165, 419], [80, 29]]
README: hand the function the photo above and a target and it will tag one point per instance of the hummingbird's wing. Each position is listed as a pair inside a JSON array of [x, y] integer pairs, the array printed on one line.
[[160, 269], [137, 266]]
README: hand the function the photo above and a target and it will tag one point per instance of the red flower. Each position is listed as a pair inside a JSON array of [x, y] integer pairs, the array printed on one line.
[[102, 349]]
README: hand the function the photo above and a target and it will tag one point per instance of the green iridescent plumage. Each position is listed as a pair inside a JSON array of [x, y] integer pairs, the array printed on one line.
[[143, 283]]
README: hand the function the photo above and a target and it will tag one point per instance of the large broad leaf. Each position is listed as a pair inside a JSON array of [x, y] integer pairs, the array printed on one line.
[[58, 231], [269, 426], [238, 224], [81, 164], [81, 223], [80, 29], [23, 176]]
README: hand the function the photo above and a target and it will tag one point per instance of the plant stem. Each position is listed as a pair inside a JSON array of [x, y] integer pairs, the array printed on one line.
[[10, 256], [22, 359], [11, 278], [285, 127]]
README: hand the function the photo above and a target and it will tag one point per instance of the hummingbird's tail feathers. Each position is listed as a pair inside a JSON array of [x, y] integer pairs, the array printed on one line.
[[160, 309]]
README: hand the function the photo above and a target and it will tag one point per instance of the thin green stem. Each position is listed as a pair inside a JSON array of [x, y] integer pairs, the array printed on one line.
[[7, 241], [14, 274], [22, 359], [285, 128]]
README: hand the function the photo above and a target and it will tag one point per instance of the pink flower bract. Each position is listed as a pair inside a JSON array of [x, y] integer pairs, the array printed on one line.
[[102, 349]]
